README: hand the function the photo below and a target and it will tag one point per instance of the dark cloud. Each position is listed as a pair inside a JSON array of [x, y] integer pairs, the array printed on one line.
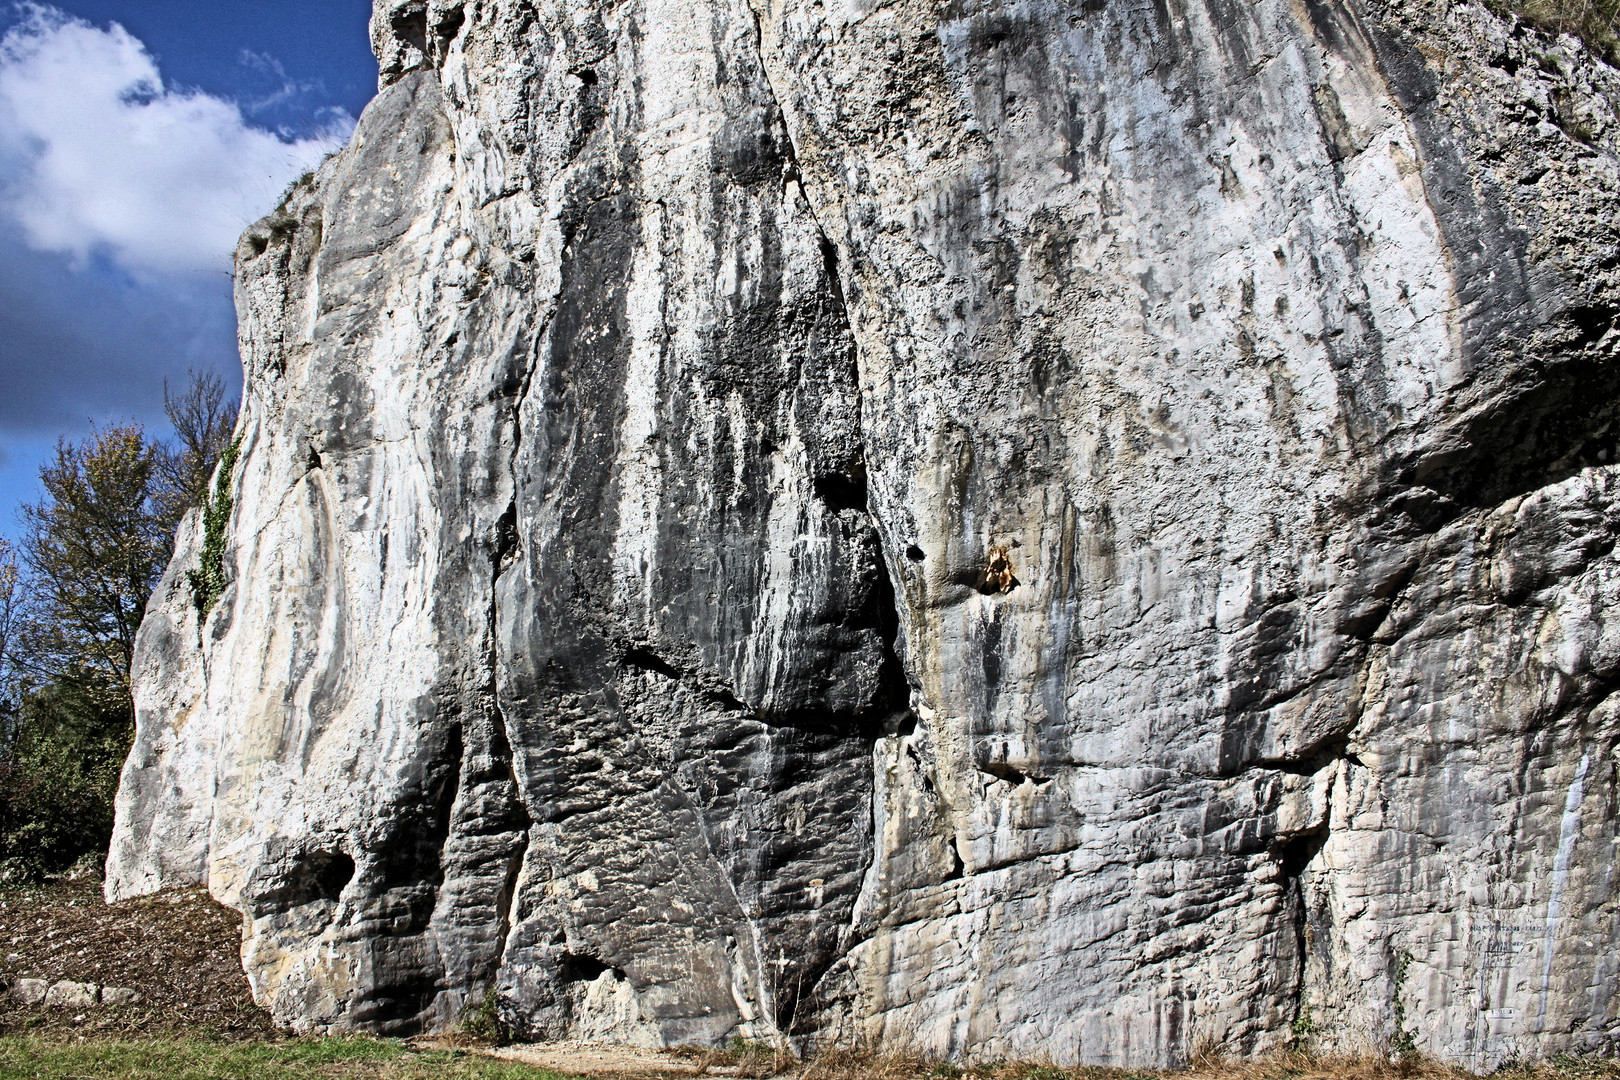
[[83, 345]]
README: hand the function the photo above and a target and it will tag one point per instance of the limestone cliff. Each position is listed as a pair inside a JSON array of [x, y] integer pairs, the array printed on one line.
[[1077, 528]]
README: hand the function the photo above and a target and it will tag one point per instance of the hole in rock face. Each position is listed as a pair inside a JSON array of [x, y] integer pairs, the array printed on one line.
[[450, 24], [1010, 775], [313, 876], [574, 967], [586, 76], [639, 656], [409, 24], [1295, 853], [330, 873], [728, 701], [1536, 437], [838, 492], [506, 535], [915, 553]]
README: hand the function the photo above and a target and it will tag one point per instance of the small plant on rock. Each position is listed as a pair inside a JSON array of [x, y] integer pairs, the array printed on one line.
[[483, 1021], [208, 580], [1299, 1039], [1403, 1042]]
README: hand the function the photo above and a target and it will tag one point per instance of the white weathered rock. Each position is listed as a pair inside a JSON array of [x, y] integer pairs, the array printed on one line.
[[119, 995], [1032, 529], [30, 991], [65, 994]]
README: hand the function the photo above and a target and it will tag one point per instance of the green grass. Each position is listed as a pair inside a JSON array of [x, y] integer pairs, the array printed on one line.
[[301, 1059]]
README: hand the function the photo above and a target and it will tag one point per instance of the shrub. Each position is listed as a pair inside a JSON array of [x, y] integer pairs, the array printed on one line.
[[59, 777]]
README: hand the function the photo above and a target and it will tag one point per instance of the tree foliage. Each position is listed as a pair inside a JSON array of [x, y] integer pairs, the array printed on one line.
[[72, 596], [10, 594], [58, 778], [95, 547], [10, 597]]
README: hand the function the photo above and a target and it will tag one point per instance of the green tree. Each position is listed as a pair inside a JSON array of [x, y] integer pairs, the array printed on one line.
[[59, 776], [10, 593], [95, 548], [72, 596]]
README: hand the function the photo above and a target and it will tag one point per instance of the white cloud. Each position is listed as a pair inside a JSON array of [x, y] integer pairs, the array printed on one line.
[[99, 157]]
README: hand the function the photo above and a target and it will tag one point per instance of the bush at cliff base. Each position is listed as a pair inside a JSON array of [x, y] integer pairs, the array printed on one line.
[[64, 744]]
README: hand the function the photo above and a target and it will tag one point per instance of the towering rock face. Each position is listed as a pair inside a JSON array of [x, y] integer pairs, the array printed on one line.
[[1022, 527]]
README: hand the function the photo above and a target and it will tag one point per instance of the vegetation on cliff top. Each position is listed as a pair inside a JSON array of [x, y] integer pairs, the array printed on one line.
[[1596, 22]]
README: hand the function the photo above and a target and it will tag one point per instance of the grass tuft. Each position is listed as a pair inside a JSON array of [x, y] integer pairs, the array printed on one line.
[[482, 1022]]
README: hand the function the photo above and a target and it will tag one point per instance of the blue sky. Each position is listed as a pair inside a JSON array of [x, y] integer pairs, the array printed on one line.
[[137, 138]]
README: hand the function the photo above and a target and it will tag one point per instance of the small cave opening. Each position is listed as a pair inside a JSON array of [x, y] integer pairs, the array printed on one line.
[[1294, 853], [1530, 436], [839, 492], [578, 967], [639, 656], [1007, 774], [409, 25], [506, 536], [449, 27], [330, 873], [311, 877], [729, 701]]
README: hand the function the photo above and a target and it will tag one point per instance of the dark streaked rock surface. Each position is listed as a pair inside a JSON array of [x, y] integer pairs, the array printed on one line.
[[1030, 529]]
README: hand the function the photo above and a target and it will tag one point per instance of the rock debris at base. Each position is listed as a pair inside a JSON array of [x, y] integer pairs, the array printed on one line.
[[166, 966], [1026, 529], [66, 994]]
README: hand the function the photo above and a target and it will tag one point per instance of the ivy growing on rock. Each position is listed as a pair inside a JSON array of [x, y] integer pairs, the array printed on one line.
[[208, 580]]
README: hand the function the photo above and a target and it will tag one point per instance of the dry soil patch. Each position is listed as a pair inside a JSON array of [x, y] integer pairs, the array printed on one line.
[[600, 1059], [178, 950]]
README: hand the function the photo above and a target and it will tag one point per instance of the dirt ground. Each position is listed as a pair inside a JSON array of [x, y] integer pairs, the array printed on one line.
[[601, 1059], [179, 950]]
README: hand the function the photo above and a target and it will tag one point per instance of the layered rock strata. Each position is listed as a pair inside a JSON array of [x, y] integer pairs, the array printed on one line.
[[1023, 528]]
